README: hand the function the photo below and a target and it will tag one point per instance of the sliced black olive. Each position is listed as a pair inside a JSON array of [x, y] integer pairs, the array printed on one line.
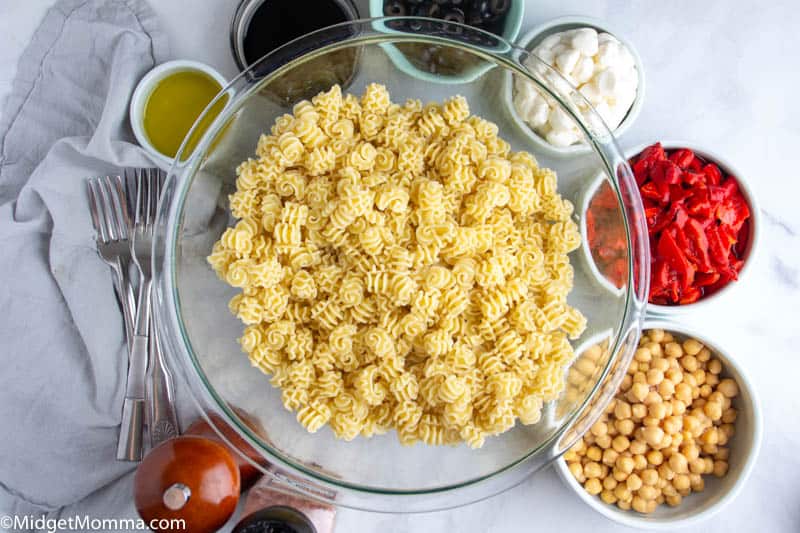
[[454, 15], [394, 8], [500, 7]]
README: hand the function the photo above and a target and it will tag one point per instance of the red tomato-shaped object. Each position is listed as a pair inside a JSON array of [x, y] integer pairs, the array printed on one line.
[[190, 478]]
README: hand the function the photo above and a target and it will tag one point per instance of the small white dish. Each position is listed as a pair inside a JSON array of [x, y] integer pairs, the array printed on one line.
[[145, 88], [753, 238], [530, 40], [719, 492]]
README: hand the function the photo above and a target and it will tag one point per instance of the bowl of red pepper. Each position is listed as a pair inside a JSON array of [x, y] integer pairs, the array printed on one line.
[[702, 222]]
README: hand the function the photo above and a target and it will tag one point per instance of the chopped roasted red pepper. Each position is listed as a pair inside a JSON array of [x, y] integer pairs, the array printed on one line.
[[698, 222]]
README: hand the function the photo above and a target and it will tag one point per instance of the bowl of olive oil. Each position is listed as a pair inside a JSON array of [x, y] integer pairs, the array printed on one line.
[[168, 101]]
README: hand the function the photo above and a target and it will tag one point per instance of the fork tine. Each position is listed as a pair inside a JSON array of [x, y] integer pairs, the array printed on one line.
[[155, 181], [94, 210], [102, 214], [129, 183], [118, 199], [139, 186], [114, 210]]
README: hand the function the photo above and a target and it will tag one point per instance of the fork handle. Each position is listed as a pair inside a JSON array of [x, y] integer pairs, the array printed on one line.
[[129, 445], [163, 420]]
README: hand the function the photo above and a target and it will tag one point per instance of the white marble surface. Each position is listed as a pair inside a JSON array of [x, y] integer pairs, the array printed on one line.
[[721, 73]]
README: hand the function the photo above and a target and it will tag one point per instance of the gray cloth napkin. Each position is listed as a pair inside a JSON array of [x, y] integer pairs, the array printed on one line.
[[63, 363]]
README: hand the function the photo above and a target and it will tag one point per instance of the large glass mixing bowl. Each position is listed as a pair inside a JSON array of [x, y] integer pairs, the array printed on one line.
[[200, 335]]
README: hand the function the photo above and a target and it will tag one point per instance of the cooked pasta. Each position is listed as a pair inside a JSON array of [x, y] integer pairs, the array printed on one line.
[[401, 269]]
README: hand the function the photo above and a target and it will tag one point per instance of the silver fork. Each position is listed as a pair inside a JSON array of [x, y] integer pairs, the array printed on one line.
[[111, 220], [130, 443], [162, 419]]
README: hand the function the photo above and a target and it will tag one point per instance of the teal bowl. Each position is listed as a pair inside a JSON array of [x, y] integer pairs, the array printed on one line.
[[511, 29]]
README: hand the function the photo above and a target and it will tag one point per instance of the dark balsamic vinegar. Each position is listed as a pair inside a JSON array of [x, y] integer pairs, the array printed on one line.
[[276, 22]]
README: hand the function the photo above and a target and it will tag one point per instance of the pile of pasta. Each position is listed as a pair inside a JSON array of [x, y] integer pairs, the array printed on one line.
[[401, 268]]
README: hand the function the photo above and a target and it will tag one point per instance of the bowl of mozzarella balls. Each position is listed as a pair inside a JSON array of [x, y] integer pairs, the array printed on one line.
[[678, 441], [581, 54]]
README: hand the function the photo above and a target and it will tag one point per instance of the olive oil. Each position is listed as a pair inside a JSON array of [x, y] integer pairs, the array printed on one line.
[[173, 107]]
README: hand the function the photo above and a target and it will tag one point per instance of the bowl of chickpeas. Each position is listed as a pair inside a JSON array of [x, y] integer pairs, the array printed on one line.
[[677, 442]]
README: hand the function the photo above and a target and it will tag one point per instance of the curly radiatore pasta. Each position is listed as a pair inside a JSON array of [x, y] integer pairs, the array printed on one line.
[[401, 269]]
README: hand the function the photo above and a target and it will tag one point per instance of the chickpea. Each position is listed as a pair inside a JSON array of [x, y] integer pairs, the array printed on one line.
[[690, 380], [690, 424], [705, 390], [593, 486], [608, 497], [623, 493], [683, 392], [639, 462], [666, 472], [651, 398], [625, 427], [577, 471], [678, 463], [674, 500], [700, 377], [624, 505], [692, 347], [722, 454], [710, 449], [653, 436], [655, 457], [627, 381], [579, 446], [656, 335], [625, 464], [658, 500], [619, 475], [672, 425], [697, 482], [620, 443], [675, 375], [697, 466], [592, 469], [610, 456], [643, 355], [650, 421], [728, 388], [666, 389], [712, 379], [609, 483], [638, 411], [681, 482], [690, 451], [639, 504], [652, 504], [708, 465], [648, 492], [660, 363], [709, 436], [678, 407], [690, 363], [657, 410], [643, 368], [720, 468], [634, 482], [649, 476], [704, 355], [603, 441], [638, 391], [673, 349], [677, 440], [594, 453], [622, 410], [668, 489], [668, 337], [639, 376], [656, 349]]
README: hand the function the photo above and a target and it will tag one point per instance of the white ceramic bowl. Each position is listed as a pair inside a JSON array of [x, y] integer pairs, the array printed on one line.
[[753, 238], [719, 492], [530, 40], [145, 88]]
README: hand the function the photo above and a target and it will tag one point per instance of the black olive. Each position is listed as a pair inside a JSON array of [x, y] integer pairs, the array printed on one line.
[[500, 7], [394, 8], [442, 2], [454, 15]]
